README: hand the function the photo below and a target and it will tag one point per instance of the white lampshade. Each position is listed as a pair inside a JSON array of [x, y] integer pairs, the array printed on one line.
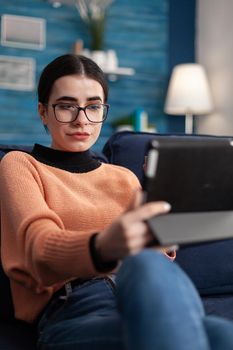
[[188, 91]]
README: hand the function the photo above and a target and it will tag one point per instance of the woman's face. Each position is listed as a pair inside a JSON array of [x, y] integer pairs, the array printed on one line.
[[81, 134]]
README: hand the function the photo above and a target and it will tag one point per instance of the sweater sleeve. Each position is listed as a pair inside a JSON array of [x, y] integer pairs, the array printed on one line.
[[36, 248]]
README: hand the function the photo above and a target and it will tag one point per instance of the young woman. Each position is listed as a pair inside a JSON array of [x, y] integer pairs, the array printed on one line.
[[73, 235], [68, 220]]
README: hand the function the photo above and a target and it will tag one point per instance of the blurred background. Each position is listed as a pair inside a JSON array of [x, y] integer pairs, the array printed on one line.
[[137, 43]]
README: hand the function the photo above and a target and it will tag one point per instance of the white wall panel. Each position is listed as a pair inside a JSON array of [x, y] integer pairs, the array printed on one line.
[[214, 49]]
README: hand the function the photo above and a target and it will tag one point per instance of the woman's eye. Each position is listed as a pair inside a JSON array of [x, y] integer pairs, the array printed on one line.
[[94, 107], [66, 107]]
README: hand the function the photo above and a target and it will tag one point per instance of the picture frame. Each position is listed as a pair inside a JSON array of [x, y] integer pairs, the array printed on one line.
[[17, 73], [15, 32]]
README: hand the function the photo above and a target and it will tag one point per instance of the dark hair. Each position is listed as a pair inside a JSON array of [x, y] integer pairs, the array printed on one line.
[[69, 64]]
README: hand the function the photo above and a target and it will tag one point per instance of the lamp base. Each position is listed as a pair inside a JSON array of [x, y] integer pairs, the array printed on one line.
[[188, 123]]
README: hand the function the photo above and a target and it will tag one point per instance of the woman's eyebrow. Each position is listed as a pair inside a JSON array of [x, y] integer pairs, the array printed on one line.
[[94, 98], [73, 99], [67, 98]]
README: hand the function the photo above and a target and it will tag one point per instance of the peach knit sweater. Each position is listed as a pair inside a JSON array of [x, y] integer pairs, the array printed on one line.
[[47, 218]]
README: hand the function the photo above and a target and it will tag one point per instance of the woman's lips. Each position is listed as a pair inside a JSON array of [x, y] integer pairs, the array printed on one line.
[[80, 136]]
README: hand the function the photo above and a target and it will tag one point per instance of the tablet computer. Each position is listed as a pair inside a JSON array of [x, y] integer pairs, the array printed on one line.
[[194, 175]]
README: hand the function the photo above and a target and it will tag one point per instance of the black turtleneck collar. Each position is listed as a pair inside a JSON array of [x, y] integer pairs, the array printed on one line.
[[74, 162]]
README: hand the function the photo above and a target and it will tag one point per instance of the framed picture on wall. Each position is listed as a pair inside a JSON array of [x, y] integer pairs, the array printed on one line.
[[17, 73], [22, 31]]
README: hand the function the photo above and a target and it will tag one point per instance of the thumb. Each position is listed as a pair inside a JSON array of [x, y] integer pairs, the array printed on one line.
[[136, 201]]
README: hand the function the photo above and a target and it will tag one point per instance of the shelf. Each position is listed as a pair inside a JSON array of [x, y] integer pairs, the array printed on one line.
[[107, 61], [118, 71]]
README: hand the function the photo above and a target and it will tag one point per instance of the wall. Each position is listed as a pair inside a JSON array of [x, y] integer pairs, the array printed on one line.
[[215, 52], [139, 34], [147, 35], [182, 32]]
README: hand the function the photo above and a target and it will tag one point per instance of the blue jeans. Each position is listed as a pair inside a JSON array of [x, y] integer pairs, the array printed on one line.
[[88, 319], [154, 305]]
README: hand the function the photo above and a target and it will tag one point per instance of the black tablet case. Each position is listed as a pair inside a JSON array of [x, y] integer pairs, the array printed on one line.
[[196, 177]]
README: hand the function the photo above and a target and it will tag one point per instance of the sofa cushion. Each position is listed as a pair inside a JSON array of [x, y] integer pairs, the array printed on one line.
[[17, 336], [7, 148], [209, 265], [6, 304], [128, 148], [219, 304], [1, 154]]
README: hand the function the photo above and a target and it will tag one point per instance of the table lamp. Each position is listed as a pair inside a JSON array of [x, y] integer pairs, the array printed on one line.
[[188, 93]]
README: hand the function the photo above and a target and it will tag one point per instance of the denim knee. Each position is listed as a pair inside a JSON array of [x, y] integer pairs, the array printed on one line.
[[219, 332], [142, 265], [153, 274]]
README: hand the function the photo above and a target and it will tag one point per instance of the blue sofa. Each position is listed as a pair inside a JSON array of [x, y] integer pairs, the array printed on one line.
[[210, 266]]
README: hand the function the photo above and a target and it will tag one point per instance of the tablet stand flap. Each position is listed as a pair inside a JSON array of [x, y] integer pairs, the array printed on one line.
[[191, 228]]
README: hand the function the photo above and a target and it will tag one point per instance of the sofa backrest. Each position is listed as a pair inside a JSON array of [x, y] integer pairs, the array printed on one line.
[[210, 266], [128, 148]]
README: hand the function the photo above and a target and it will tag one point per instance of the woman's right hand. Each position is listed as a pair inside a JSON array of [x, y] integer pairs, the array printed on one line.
[[129, 233]]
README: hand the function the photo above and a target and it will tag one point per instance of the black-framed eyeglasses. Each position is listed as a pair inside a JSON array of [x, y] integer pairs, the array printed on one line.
[[68, 112]]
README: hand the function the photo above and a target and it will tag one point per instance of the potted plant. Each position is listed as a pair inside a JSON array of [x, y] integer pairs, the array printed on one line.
[[93, 13]]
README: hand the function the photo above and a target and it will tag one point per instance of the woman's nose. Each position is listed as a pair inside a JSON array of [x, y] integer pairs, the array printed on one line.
[[81, 118]]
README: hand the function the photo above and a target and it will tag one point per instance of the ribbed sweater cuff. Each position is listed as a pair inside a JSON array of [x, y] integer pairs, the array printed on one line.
[[99, 264]]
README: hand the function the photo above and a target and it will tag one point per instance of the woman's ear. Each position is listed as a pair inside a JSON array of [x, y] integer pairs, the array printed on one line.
[[43, 113]]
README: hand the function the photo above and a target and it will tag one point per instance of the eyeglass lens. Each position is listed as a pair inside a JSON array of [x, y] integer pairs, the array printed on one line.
[[66, 113]]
